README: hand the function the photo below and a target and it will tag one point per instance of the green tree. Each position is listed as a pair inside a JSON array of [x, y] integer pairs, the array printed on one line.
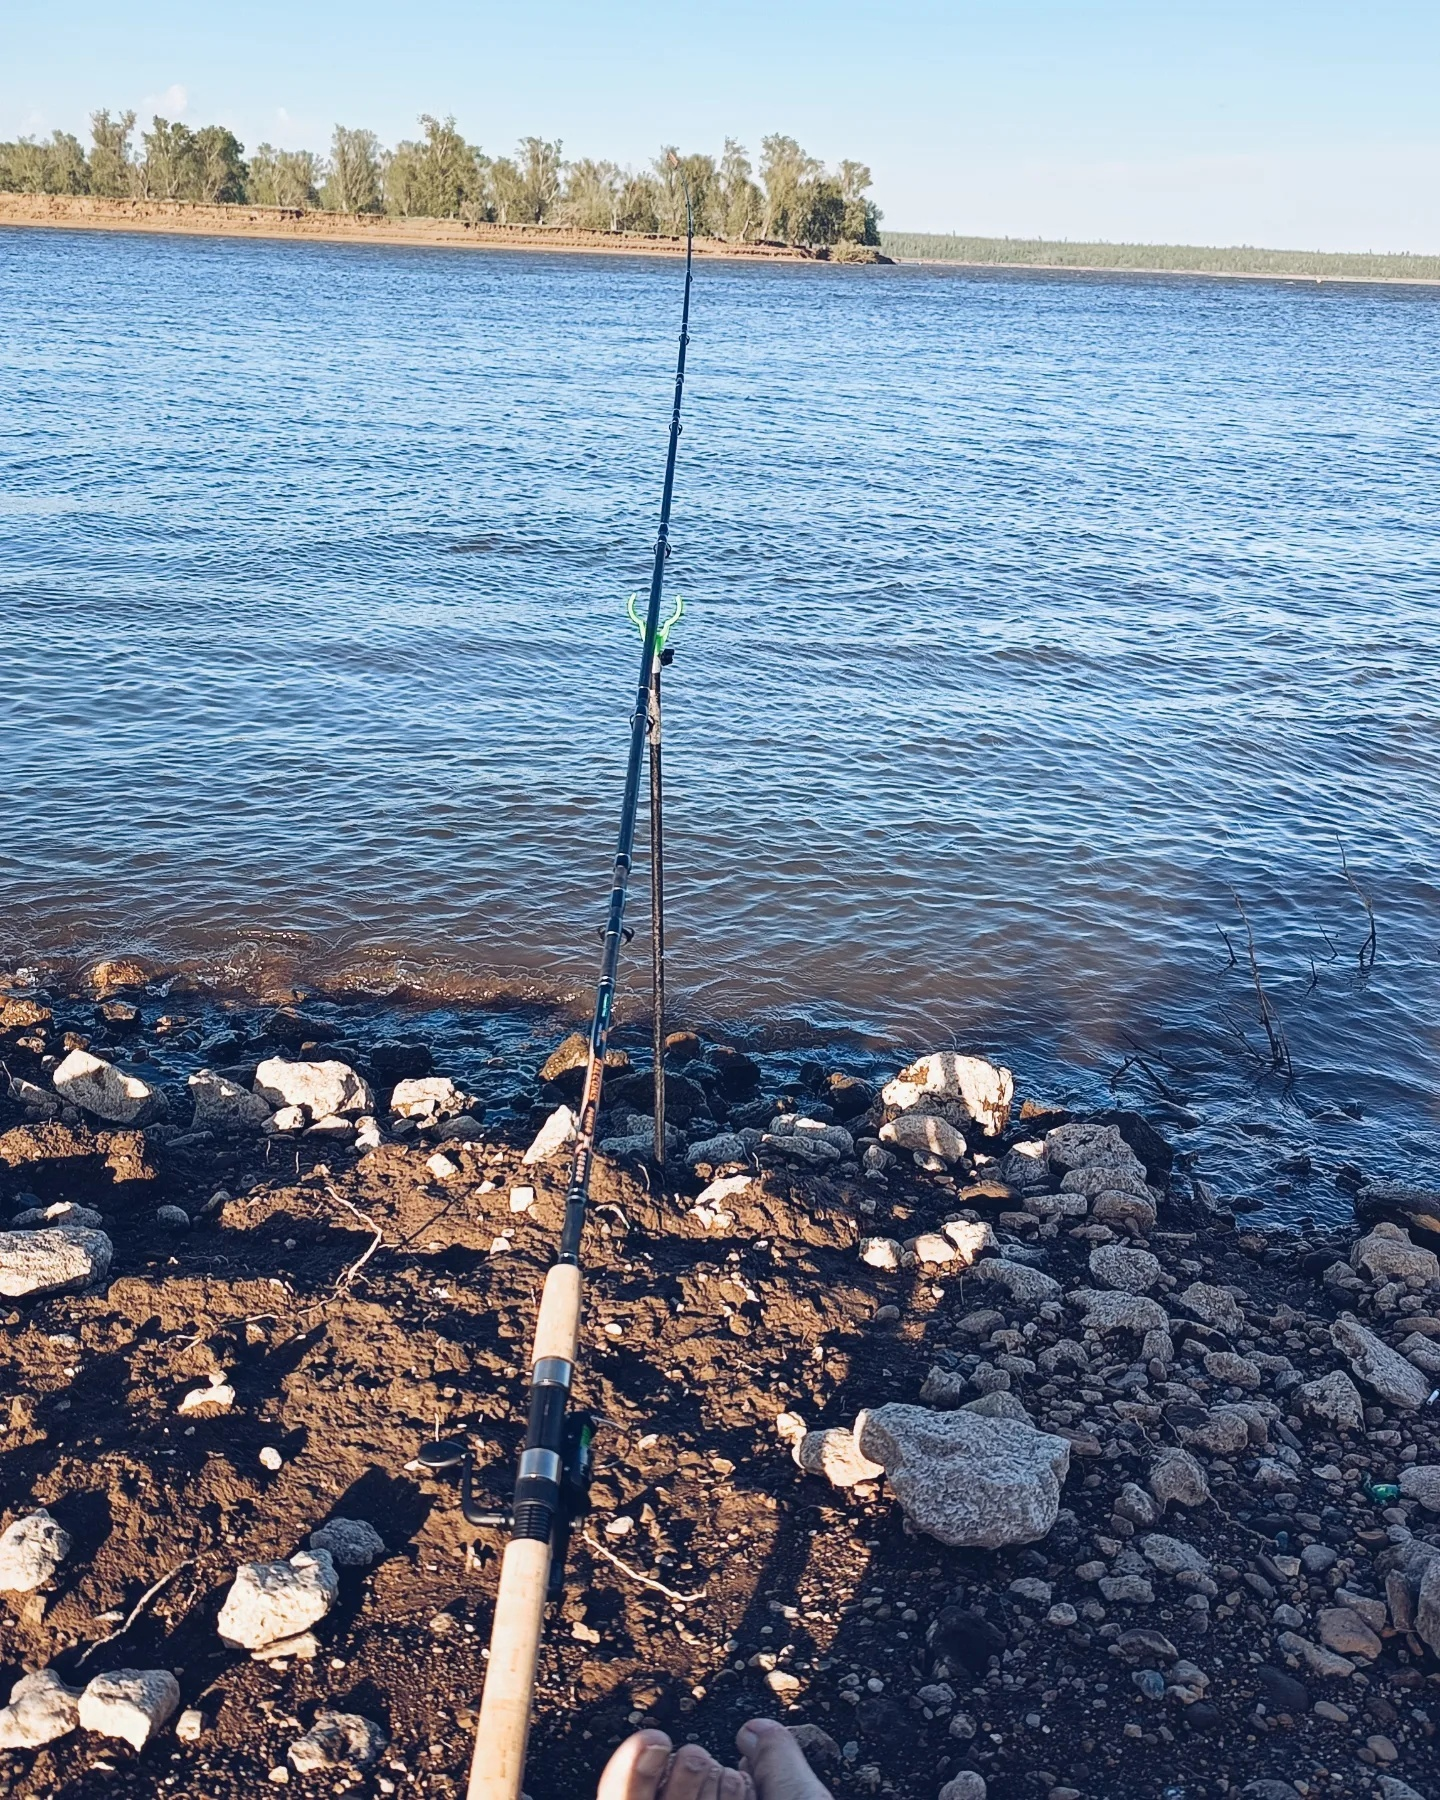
[[219, 166], [167, 170], [436, 177], [284, 177], [112, 168], [354, 181], [784, 170], [33, 166], [591, 195], [861, 223], [539, 165], [639, 208], [740, 204], [700, 173]]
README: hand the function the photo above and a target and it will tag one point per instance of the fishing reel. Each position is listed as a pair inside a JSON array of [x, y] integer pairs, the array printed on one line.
[[577, 1469]]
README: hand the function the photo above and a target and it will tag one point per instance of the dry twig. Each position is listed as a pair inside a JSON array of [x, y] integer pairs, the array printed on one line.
[[644, 1580], [1367, 949], [347, 1277], [1269, 1019], [134, 1613]]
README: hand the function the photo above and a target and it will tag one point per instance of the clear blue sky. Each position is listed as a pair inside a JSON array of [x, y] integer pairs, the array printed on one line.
[[1206, 121]]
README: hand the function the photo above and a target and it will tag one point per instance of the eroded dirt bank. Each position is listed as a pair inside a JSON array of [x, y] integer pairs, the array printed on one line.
[[1283, 1641]]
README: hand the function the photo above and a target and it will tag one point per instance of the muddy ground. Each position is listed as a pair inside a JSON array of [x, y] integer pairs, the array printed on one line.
[[697, 1337]]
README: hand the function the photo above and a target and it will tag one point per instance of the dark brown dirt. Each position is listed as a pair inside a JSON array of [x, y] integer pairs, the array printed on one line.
[[694, 1342]]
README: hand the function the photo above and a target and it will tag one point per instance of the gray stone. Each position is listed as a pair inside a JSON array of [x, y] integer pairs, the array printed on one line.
[[1335, 1400], [62, 1212], [1082, 1146], [1424, 1352], [98, 1087], [1107, 1310], [41, 1709], [1225, 1432], [338, 1740], [1427, 1605], [1023, 1284], [725, 1147], [1397, 1382], [31, 1550], [1171, 1556], [984, 1089], [1127, 1590], [1343, 1630], [269, 1601], [1421, 1481], [52, 1259], [1327, 1664], [967, 1785], [1109, 1178], [223, 1105], [968, 1480], [1134, 1504], [129, 1703], [922, 1131], [1131, 1271], [323, 1089], [998, 1405], [172, 1218], [944, 1389], [352, 1543], [1123, 1211], [1387, 1254], [1270, 1790], [1213, 1306], [1233, 1371]]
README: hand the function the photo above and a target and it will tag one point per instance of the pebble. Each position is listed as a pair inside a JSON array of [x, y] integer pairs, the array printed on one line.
[[273, 1601], [342, 1740], [42, 1708], [270, 1458], [352, 1543]]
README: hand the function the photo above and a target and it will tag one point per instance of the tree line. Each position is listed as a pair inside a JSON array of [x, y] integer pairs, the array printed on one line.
[[795, 200]]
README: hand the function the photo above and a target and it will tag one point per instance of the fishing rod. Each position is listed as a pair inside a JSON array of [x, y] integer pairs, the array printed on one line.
[[552, 1485]]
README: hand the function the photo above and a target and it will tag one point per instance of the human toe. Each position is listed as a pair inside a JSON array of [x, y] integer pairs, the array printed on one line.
[[637, 1768], [776, 1763]]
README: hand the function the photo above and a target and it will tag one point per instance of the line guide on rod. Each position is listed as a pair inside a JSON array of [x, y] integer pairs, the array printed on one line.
[[554, 1464]]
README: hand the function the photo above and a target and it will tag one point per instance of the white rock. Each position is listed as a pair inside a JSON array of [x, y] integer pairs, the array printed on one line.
[[1388, 1254], [129, 1703], [218, 1397], [521, 1199], [427, 1097], [333, 1126], [1335, 1400], [1107, 1310], [882, 1253], [352, 1543], [834, 1454], [270, 1458], [98, 1087], [933, 1248], [41, 1709], [985, 1090], [1176, 1477], [722, 1188], [1132, 1271], [971, 1238], [555, 1135], [1421, 1481], [190, 1726], [31, 1550], [57, 1257], [1397, 1382], [224, 1105], [367, 1133], [966, 1479], [269, 1601], [1023, 1284], [338, 1740], [286, 1119], [920, 1131], [322, 1088], [440, 1167]]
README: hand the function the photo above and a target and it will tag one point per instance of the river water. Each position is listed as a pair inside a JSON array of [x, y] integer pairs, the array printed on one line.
[[1031, 618]]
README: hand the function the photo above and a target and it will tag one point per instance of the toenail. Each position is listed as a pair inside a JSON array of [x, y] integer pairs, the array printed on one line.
[[652, 1760]]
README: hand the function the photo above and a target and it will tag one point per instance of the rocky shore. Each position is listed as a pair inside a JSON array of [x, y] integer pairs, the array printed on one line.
[[938, 1422]]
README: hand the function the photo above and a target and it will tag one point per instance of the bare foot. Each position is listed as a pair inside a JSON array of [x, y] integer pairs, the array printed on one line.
[[776, 1763], [644, 1769]]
